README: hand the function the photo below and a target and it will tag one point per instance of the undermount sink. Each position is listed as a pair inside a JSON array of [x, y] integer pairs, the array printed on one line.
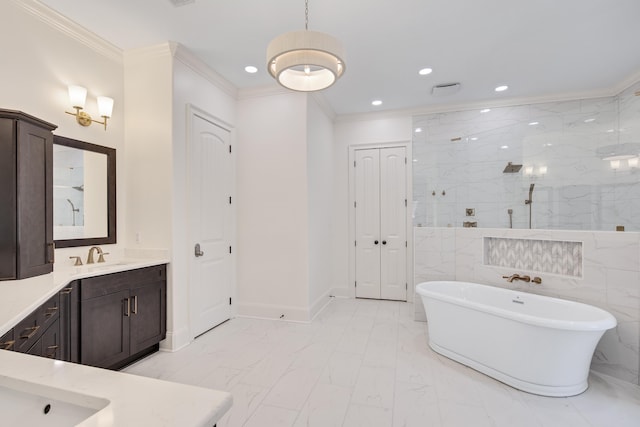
[[30, 404]]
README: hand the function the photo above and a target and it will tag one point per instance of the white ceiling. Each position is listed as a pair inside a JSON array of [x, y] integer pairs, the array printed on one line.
[[542, 48]]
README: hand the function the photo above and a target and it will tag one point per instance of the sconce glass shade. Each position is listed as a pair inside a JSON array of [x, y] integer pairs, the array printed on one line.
[[305, 61], [633, 162], [615, 164], [542, 170], [77, 96], [105, 106]]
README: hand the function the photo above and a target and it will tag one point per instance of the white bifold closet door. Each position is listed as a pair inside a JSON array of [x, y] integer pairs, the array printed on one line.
[[381, 223]]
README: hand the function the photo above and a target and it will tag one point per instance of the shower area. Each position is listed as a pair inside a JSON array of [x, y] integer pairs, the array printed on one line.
[[68, 182], [570, 165]]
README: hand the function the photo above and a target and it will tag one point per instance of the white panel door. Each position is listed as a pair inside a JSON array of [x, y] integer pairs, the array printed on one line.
[[393, 224], [367, 180], [210, 213], [380, 223]]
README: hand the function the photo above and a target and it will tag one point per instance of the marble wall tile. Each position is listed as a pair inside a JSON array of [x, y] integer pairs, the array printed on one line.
[[567, 140]]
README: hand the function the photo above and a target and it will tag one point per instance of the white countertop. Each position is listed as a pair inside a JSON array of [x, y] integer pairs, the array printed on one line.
[[18, 298], [133, 400]]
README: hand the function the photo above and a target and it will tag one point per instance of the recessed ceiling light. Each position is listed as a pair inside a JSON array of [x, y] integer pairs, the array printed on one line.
[[533, 123], [504, 147], [425, 71], [376, 102], [418, 130], [590, 120], [251, 69], [474, 138], [415, 160], [548, 144], [486, 110], [501, 88], [610, 131]]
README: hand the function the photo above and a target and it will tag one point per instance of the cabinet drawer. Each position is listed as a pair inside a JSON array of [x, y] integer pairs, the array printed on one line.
[[7, 342], [27, 332], [109, 283]]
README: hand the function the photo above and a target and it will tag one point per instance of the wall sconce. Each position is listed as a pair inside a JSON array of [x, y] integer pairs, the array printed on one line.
[[633, 162], [542, 170], [78, 96], [615, 164], [528, 170]]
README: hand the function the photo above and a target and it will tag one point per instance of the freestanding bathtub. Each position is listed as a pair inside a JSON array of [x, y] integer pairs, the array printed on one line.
[[537, 344]]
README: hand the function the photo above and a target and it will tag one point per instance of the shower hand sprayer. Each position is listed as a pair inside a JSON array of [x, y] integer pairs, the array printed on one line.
[[529, 201]]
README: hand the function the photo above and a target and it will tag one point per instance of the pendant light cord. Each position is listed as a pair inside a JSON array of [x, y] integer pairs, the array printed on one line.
[[306, 15]]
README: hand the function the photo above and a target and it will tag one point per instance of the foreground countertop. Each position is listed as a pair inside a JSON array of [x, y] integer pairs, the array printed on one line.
[[132, 400], [18, 298]]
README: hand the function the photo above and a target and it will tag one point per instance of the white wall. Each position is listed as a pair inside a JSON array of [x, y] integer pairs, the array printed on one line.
[[350, 131], [191, 85], [160, 82], [320, 187], [39, 61], [272, 209]]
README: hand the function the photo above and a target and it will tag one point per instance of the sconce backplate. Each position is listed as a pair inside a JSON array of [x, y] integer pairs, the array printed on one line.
[[83, 119]]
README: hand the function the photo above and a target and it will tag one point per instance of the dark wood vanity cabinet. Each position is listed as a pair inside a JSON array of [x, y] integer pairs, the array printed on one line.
[[106, 321], [39, 333], [122, 316], [26, 192]]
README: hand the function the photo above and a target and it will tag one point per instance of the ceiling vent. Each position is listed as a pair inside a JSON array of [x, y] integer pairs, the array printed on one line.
[[178, 3], [445, 89]]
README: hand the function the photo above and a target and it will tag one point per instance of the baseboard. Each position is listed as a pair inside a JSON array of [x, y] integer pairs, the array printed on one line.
[[176, 340], [320, 304], [340, 292], [273, 312]]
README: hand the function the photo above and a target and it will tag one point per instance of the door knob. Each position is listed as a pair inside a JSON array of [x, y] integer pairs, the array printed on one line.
[[384, 242], [197, 250], [375, 242]]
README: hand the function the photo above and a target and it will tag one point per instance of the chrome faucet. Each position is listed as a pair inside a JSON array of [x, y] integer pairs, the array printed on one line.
[[513, 277], [100, 255]]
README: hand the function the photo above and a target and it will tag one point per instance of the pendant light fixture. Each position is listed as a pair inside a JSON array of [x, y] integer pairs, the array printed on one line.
[[305, 60]]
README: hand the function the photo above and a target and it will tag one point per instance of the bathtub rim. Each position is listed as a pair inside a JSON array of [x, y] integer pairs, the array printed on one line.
[[607, 322]]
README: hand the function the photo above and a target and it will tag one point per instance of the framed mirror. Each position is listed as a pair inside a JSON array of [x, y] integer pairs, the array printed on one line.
[[84, 193]]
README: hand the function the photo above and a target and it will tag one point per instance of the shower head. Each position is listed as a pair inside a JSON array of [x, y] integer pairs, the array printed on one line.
[[511, 168]]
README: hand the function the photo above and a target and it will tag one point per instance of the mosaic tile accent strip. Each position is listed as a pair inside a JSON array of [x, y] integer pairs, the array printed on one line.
[[547, 256]]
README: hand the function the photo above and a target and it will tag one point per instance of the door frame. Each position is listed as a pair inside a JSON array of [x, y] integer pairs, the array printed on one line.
[[352, 215], [191, 112]]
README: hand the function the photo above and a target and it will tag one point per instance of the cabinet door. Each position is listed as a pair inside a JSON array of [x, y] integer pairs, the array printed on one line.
[[34, 200], [148, 315], [51, 343], [69, 323], [104, 329]]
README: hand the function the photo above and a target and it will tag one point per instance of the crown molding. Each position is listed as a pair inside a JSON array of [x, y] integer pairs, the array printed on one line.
[[260, 91], [196, 64], [508, 102], [71, 29], [142, 54]]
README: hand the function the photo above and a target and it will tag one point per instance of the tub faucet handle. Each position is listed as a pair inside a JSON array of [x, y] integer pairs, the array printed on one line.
[[525, 278], [512, 277], [537, 280]]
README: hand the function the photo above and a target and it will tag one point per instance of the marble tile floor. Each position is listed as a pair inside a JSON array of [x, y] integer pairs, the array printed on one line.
[[367, 363]]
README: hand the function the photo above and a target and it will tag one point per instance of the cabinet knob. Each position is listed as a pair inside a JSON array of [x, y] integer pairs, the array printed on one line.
[[375, 242], [384, 242]]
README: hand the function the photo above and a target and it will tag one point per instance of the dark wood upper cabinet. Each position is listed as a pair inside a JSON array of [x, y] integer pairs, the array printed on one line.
[[26, 191]]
